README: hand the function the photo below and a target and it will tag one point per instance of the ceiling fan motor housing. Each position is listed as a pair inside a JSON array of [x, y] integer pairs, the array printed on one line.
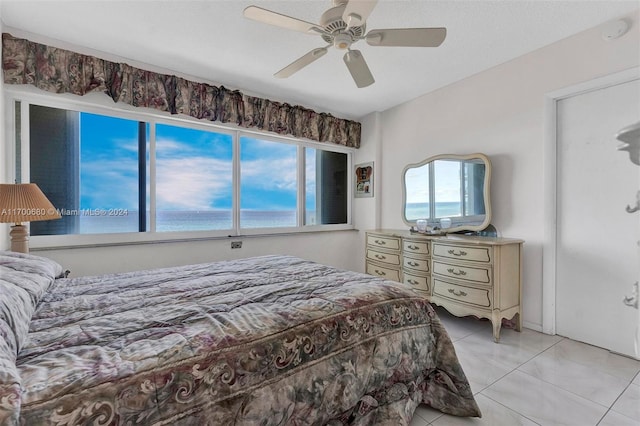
[[339, 36]]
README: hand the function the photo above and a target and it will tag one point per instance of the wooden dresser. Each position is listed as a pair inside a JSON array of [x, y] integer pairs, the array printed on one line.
[[480, 276]]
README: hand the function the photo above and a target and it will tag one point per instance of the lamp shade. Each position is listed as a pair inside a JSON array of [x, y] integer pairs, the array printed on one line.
[[24, 202]]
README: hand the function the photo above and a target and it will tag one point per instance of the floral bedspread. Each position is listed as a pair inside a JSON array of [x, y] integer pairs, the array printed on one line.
[[272, 340]]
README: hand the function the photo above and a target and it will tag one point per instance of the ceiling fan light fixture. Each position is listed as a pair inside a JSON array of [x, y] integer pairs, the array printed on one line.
[[342, 41]]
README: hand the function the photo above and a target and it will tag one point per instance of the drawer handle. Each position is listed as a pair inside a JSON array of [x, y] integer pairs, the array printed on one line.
[[380, 256], [380, 242], [410, 263], [460, 253], [413, 247], [381, 273], [459, 293], [412, 282], [459, 273]]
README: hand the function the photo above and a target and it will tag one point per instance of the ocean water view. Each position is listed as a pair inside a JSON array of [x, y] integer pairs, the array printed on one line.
[[120, 220], [176, 221]]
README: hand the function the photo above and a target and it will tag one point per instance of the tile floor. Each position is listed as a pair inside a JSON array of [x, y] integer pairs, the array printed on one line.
[[530, 378]]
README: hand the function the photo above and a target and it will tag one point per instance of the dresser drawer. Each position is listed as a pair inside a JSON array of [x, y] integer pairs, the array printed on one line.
[[417, 282], [467, 275], [467, 253], [381, 271], [460, 272], [415, 247], [386, 242], [382, 256], [460, 293], [415, 263]]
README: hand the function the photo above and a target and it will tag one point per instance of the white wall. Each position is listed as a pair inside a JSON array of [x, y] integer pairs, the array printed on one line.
[[319, 247], [500, 112], [366, 211]]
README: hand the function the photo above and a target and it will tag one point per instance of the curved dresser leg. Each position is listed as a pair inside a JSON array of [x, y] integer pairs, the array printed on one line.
[[496, 321], [519, 322]]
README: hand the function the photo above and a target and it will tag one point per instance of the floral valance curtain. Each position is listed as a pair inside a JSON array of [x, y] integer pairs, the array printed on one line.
[[62, 71]]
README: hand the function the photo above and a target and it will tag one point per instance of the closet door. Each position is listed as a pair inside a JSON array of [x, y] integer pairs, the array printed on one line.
[[597, 239]]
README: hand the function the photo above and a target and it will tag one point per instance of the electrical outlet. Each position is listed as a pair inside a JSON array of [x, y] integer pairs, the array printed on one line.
[[236, 244]]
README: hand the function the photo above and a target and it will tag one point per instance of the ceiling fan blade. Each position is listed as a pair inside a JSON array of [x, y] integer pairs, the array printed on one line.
[[357, 11], [301, 62], [358, 68], [409, 37], [273, 18]]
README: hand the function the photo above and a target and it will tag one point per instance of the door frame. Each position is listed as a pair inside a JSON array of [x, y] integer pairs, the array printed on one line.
[[550, 169]]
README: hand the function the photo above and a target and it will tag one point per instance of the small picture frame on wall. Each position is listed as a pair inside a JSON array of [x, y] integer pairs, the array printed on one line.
[[364, 180]]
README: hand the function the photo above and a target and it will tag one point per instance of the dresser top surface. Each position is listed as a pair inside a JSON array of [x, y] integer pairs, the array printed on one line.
[[448, 238]]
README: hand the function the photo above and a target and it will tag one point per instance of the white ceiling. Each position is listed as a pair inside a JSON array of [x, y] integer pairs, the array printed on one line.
[[212, 40]]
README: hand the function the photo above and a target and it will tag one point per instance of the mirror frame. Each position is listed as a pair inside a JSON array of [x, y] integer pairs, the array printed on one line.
[[486, 191]]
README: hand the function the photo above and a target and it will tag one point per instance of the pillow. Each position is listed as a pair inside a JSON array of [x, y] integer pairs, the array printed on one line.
[[29, 262], [24, 279]]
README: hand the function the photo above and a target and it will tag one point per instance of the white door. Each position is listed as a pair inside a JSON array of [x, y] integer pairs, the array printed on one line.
[[597, 239]]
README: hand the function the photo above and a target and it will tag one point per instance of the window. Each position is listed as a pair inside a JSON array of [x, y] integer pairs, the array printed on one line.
[[194, 173], [87, 165], [108, 160], [268, 184], [326, 184], [129, 173]]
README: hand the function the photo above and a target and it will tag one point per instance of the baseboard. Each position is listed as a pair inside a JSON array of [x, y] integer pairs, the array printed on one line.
[[532, 326]]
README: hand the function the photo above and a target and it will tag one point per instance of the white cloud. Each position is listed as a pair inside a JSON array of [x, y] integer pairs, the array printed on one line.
[[166, 146], [192, 183], [112, 183], [270, 173], [129, 145]]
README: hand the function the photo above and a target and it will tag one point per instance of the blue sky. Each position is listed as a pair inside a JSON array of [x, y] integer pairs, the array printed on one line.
[[193, 168], [109, 160]]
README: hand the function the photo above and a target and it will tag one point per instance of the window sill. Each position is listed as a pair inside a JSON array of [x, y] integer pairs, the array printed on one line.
[[61, 242]]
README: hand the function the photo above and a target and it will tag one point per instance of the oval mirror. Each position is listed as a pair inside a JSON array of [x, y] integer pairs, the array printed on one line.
[[449, 192]]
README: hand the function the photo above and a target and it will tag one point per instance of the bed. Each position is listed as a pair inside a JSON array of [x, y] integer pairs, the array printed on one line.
[[271, 340]]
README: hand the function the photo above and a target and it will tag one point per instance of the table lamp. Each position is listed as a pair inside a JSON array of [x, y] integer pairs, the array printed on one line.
[[23, 202]]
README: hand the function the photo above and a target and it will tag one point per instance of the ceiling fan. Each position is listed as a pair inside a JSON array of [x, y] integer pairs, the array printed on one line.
[[341, 26]]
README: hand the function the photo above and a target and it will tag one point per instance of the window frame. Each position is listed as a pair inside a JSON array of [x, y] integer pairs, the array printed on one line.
[[29, 96]]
